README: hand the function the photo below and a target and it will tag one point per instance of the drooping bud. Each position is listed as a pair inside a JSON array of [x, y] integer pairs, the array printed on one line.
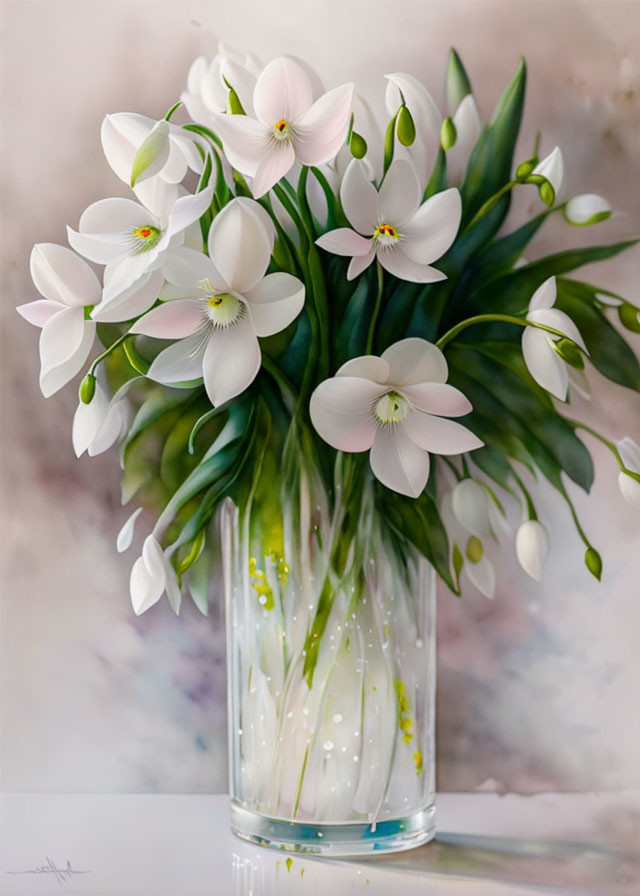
[[357, 145], [448, 134], [547, 193], [87, 389], [629, 317], [532, 547], [593, 562], [552, 169], [457, 82], [405, 127], [587, 209], [569, 352], [524, 169], [152, 154]]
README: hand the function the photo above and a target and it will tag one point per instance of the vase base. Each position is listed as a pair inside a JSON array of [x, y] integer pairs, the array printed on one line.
[[343, 839]]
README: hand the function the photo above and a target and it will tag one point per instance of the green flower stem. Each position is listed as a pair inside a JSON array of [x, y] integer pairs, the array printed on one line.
[[531, 510], [107, 352], [489, 318], [376, 309], [329, 196], [489, 204], [172, 110], [605, 441], [316, 276], [284, 384]]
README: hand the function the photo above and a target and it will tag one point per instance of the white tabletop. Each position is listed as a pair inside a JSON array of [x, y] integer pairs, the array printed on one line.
[[180, 845]]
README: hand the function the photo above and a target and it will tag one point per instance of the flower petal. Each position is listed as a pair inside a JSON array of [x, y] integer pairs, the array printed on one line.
[[173, 320], [630, 489], [246, 141], [586, 209], [113, 215], [180, 362], [125, 535], [99, 248], [186, 268], [188, 209], [398, 463], [55, 378], [39, 312], [415, 360], [359, 198], [61, 337], [231, 360], [114, 427], [468, 127], [282, 92], [439, 435], [240, 245], [360, 263], [438, 398], [558, 320], [273, 167], [470, 506], [552, 167], [482, 575], [344, 241], [133, 302], [630, 453], [544, 365], [544, 296], [320, 132], [147, 580], [61, 276], [88, 420], [425, 114], [399, 195], [532, 547], [369, 367], [433, 228], [275, 302], [401, 266], [341, 410]]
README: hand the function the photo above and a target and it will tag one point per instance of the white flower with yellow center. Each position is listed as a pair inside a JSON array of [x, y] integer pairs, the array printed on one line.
[[396, 407], [130, 240], [221, 304], [68, 285], [288, 126], [393, 225], [466, 512]]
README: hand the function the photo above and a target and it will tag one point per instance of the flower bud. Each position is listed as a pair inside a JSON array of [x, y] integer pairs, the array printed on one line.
[[405, 127], [552, 169], [532, 547], [357, 145], [152, 154], [629, 317], [547, 193], [234, 106], [87, 389], [448, 134], [569, 352], [593, 562], [586, 209], [524, 169]]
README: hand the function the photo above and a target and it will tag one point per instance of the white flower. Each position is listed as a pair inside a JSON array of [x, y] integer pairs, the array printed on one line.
[[131, 302], [544, 363], [586, 209], [630, 454], [98, 425], [392, 224], [222, 303], [468, 124], [394, 405], [288, 126], [466, 514], [552, 167], [130, 240], [426, 118], [68, 285], [175, 152], [532, 547], [125, 535], [208, 84], [152, 575]]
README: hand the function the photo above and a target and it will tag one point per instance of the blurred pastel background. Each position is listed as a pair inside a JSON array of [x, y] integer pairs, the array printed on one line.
[[537, 690]]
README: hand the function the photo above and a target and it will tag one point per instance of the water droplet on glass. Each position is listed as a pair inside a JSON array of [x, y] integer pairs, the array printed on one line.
[[337, 717], [328, 745]]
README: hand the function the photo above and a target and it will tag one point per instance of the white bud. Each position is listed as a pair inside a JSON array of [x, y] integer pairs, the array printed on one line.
[[552, 167], [532, 547], [587, 209]]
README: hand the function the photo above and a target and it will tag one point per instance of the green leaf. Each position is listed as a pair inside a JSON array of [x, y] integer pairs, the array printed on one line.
[[608, 351], [418, 521], [457, 82], [351, 334], [491, 161], [156, 406], [438, 180]]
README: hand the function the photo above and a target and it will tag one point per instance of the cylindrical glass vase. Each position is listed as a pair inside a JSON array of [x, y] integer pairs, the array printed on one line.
[[331, 674]]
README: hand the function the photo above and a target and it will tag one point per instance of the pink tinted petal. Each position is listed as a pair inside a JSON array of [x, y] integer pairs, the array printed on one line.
[[397, 263], [438, 435], [344, 241], [369, 367], [173, 320], [438, 398], [273, 167], [61, 276], [322, 130], [246, 141], [544, 296], [398, 463], [282, 92], [240, 244], [360, 263], [275, 302], [359, 198], [399, 195], [180, 362], [341, 410], [231, 361], [433, 228], [414, 360], [39, 312]]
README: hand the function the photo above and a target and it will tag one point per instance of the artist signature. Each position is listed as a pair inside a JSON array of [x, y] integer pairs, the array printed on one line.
[[62, 875]]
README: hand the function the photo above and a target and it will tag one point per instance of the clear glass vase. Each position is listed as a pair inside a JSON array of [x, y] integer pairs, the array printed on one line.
[[331, 672]]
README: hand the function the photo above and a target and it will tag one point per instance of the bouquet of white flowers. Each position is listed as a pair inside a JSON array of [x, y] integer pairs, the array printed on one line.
[[293, 314]]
